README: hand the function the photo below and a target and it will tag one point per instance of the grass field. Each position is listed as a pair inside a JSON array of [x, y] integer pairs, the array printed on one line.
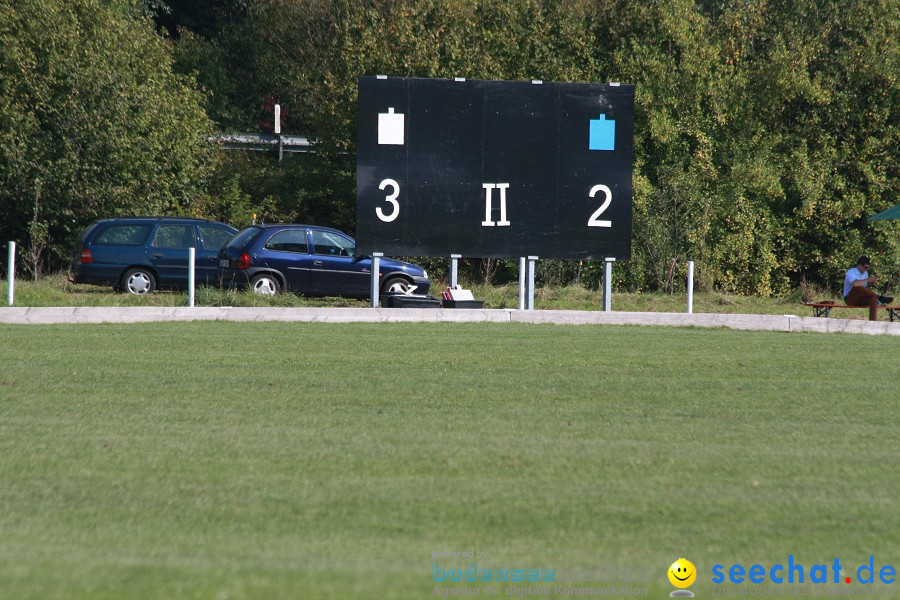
[[223, 461]]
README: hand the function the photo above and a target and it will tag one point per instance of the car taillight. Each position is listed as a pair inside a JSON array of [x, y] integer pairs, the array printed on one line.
[[244, 261], [86, 257]]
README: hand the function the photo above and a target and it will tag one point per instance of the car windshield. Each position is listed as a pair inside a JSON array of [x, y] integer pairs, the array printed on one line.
[[326, 242], [243, 237]]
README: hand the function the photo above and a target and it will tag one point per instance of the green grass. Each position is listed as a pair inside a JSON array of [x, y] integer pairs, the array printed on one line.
[[222, 460], [56, 291], [579, 298]]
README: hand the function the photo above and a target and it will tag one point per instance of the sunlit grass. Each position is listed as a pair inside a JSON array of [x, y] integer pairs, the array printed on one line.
[[277, 460]]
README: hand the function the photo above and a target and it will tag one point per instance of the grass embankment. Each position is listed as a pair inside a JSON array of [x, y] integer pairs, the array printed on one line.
[[224, 460], [56, 291]]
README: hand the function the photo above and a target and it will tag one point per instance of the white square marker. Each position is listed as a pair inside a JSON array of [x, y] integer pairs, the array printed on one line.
[[390, 128]]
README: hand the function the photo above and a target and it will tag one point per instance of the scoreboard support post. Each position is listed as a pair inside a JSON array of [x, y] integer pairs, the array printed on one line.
[[531, 261], [454, 269], [192, 274], [11, 274], [690, 287], [376, 278], [522, 283], [607, 284]]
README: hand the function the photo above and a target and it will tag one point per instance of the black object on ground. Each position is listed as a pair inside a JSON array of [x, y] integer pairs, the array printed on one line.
[[463, 303], [409, 301]]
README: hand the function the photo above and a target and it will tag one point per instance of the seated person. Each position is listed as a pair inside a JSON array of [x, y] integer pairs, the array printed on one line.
[[857, 291]]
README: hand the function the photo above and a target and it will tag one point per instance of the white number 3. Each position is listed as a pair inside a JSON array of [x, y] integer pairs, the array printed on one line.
[[594, 221], [392, 198]]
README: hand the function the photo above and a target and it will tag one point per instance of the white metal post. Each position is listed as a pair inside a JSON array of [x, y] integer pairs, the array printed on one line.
[[278, 132], [522, 283], [690, 287], [192, 256], [454, 269], [531, 261], [376, 278], [11, 274], [607, 284]]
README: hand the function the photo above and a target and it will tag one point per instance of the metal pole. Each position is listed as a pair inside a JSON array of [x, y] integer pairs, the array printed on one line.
[[531, 261], [454, 269], [690, 287], [192, 255], [522, 283], [278, 132], [11, 274], [607, 284], [376, 278]]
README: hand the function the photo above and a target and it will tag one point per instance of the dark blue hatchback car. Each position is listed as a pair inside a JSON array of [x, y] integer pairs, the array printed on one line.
[[139, 254], [310, 260]]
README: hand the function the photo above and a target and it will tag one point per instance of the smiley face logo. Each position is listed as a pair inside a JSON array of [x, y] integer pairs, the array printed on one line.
[[682, 573]]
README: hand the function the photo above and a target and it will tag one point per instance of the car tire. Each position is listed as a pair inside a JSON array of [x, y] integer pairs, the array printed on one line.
[[138, 282], [265, 285], [396, 285]]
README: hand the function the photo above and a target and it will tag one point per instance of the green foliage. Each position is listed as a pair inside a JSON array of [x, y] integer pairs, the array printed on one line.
[[93, 123], [765, 131]]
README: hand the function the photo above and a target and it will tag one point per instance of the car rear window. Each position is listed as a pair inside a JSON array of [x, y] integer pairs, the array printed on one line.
[[214, 237], [124, 235], [243, 237], [87, 232]]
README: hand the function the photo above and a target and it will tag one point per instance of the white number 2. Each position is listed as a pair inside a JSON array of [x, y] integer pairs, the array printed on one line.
[[594, 221], [392, 198]]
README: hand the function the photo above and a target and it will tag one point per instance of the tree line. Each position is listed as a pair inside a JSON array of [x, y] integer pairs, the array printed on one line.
[[765, 130]]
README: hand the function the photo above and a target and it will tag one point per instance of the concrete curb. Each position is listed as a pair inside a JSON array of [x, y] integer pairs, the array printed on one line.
[[152, 314]]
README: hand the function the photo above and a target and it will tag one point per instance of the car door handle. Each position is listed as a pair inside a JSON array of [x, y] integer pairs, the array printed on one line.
[[156, 256], [317, 263]]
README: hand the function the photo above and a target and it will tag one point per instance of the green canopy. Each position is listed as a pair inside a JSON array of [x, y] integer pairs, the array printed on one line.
[[891, 213]]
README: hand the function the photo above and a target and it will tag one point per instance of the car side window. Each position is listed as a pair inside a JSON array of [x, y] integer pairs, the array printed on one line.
[[123, 235], [332, 244], [290, 240], [214, 237], [174, 236]]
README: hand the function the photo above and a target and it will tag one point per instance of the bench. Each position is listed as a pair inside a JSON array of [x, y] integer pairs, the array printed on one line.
[[823, 309]]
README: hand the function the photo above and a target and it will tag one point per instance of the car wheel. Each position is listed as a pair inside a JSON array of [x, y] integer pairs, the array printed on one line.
[[265, 285], [138, 281], [396, 285]]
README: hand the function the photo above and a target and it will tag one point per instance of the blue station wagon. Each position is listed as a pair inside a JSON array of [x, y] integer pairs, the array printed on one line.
[[140, 254], [310, 260]]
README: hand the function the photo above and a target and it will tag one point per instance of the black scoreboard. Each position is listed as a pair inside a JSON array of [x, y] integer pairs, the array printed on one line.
[[494, 168]]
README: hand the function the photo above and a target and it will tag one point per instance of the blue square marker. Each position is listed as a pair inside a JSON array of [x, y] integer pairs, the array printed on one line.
[[603, 134]]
